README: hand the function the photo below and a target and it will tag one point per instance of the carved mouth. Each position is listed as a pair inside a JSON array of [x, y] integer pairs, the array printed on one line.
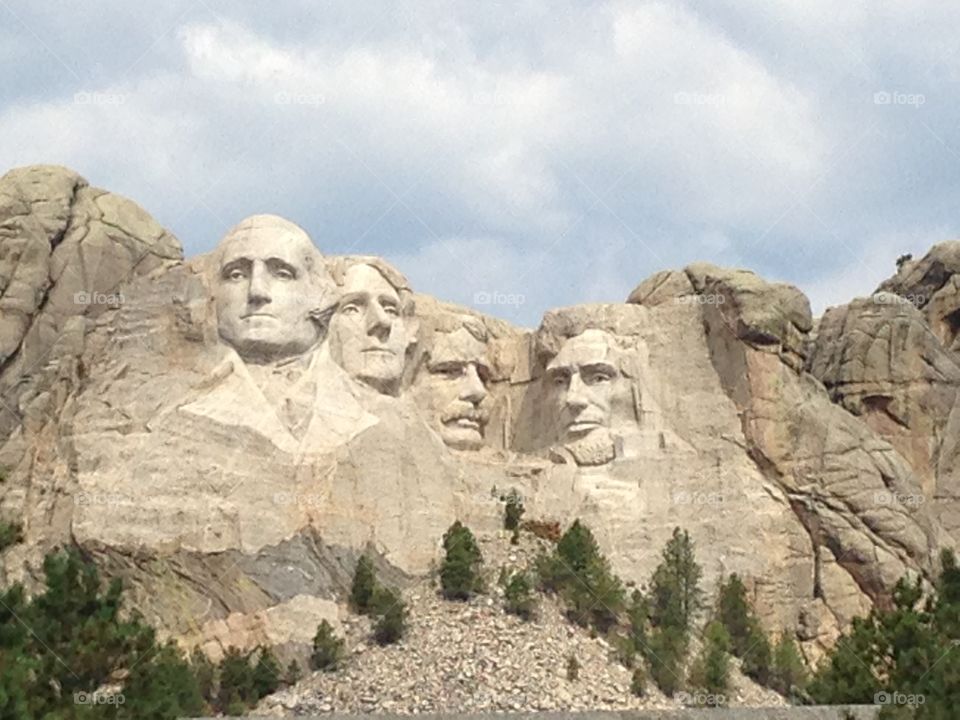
[[249, 316], [583, 425], [466, 423], [379, 351]]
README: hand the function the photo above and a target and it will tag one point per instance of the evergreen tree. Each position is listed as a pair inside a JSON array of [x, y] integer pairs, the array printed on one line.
[[327, 648], [789, 672], [266, 674], [205, 672], [518, 596], [460, 571], [675, 588], [581, 575], [162, 686], [393, 617], [666, 652], [236, 691], [711, 670], [364, 586], [638, 682]]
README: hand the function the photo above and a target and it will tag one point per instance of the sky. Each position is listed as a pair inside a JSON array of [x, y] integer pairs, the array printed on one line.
[[516, 156]]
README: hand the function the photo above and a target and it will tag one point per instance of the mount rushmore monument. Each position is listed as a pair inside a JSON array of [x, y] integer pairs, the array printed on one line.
[[229, 432]]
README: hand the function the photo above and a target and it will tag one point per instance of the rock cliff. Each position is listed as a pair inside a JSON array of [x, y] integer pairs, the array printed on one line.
[[229, 432]]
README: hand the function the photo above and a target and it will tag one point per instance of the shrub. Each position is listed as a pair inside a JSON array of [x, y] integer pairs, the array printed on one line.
[[393, 617], [11, 533], [518, 595], [293, 673], [460, 571], [513, 510], [549, 530], [327, 649], [363, 587], [573, 668], [638, 682]]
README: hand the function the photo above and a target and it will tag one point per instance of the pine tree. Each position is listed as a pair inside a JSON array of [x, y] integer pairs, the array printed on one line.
[[460, 571], [327, 648], [236, 691], [789, 672], [675, 588], [581, 575], [266, 673], [711, 670], [364, 586], [518, 596], [393, 617], [638, 682]]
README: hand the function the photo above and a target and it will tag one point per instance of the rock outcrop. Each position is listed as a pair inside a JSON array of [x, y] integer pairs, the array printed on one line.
[[230, 432]]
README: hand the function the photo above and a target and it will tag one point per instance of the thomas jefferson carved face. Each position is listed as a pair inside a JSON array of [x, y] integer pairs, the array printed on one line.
[[585, 384], [266, 289], [369, 334], [453, 385]]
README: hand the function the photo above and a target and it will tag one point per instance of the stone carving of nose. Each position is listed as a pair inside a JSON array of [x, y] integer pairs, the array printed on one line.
[[471, 386], [378, 322], [258, 292], [576, 393]]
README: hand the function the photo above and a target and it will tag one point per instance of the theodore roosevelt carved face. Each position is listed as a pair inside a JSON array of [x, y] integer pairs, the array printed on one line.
[[451, 384], [268, 289]]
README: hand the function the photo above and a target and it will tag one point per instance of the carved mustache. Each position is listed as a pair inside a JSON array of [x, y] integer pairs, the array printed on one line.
[[465, 411]]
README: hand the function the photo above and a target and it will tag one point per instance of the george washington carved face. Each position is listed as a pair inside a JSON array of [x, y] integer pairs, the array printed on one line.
[[267, 288]]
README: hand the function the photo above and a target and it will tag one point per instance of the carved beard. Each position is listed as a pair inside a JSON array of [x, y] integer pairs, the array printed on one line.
[[596, 448]]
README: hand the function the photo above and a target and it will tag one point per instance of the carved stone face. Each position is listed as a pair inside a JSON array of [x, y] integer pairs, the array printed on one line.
[[452, 387], [265, 289], [585, 385], [368, 332]]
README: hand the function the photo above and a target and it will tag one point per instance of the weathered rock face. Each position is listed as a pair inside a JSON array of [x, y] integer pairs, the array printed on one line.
[[891, 359], [229, 433]]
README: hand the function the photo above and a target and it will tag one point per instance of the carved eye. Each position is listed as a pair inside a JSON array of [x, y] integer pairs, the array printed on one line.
[[284, 274], [351, 309], [236, 274], [391, 310], [597, 377]]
